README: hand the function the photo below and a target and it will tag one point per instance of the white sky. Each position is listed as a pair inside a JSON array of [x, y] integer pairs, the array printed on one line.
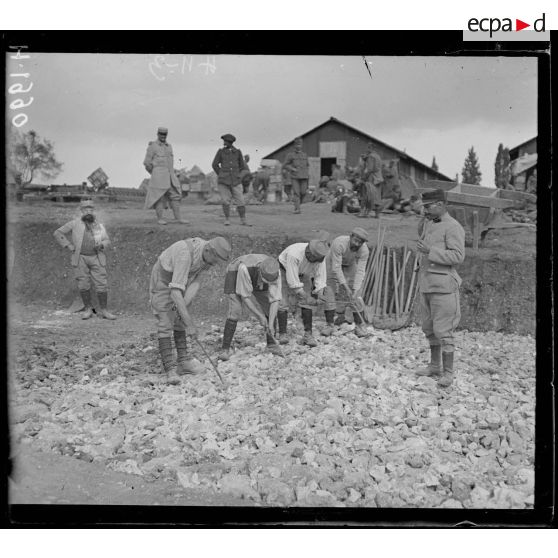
[[102, 109]]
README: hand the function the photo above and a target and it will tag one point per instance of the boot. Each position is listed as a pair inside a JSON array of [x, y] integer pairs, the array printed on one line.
[[103, 304], [435, 366], [175, 205], [87, 311], [165, 350], [159, 211], [242, 213], [227, 212], [228, 334], [181, 352], [307, 338], [192, 366], [282, 316], [447, 370], [327, 331], [340, 320]]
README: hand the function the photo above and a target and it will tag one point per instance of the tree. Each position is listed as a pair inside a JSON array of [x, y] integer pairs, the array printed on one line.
[[434, 165], [502, 169], [31, 156], [471, 173]]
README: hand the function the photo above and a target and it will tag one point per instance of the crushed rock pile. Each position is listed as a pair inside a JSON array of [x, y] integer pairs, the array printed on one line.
[[345, 424]]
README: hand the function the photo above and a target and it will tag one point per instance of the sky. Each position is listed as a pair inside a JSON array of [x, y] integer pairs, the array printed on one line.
[[101, 110]]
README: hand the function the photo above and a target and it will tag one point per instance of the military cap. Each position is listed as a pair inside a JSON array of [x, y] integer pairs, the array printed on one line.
[[323, 235], [221, 247], [86, 203], [162, 130], [319, 248], [433, 196], [228, 137], [269, 269], [360, 233]]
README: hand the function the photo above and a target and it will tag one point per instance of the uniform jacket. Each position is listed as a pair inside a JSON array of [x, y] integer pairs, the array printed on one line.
[[371, 168], [159, 162], [340, 256], [437, 272], [227, 164], [77, 228], [297, 163]]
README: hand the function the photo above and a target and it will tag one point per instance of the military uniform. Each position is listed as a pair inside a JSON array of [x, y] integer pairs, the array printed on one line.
[[438, 280], [159, 162], [371, 175], [296, 163], [228, 165]]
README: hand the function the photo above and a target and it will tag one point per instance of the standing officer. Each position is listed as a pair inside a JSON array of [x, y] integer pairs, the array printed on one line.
[[442, 246], [304, 277], [228, 165], [163, 184], [253, 282], [346, 267], [89, 240], [173, 285], [296, 164]]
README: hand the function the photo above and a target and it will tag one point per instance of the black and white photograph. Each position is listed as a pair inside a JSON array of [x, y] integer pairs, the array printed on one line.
[[272, 281]]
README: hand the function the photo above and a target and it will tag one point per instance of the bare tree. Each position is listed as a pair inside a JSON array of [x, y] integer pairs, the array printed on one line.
[[30, 156]]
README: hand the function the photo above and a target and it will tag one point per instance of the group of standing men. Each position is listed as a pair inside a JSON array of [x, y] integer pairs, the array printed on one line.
[[302, 275]]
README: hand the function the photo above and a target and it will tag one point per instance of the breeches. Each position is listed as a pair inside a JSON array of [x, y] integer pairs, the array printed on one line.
[[231, 193], [260, 298], [88, 270], [440, 316], [162, 305], [300, 186], [340, 301]]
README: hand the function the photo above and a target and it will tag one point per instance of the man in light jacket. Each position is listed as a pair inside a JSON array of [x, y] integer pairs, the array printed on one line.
[[88, 244]]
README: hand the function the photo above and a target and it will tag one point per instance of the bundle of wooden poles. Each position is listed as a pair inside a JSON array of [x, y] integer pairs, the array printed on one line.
[[390, 284]]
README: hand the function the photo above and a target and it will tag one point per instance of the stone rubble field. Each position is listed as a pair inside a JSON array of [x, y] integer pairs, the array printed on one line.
[[345, 424]]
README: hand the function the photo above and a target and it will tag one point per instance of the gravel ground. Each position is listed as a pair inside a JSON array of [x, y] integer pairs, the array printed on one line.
[[345, 424]]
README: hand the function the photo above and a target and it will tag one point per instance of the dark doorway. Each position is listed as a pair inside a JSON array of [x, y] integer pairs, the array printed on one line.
[[326, 165]]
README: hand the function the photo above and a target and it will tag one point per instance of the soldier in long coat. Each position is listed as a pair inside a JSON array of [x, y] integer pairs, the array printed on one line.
[[163, 184]]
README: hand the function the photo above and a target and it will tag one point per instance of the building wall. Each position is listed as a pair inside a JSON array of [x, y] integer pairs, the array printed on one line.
[[356, 146]]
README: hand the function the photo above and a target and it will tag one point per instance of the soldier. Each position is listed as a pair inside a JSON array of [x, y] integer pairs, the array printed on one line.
[[346, 266], [304, 277], [228, 165], [371, 175], [253, 282], [296, 164], [89, 241], [174, 283], [442, 246], [163, 184], [246, 176]]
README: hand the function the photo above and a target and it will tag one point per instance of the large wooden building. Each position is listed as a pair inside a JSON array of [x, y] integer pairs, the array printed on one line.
[[334, 142]]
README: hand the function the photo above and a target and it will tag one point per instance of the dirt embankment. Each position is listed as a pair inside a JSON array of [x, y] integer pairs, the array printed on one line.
[[498, 291]]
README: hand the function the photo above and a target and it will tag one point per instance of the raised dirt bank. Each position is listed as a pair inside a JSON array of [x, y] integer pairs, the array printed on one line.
[[498, 291]]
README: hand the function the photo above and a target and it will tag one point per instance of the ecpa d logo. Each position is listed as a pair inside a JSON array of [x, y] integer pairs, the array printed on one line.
[[495, 27]]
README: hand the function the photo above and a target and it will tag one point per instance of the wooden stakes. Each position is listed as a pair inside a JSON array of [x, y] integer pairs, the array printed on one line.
[[386, 278]]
